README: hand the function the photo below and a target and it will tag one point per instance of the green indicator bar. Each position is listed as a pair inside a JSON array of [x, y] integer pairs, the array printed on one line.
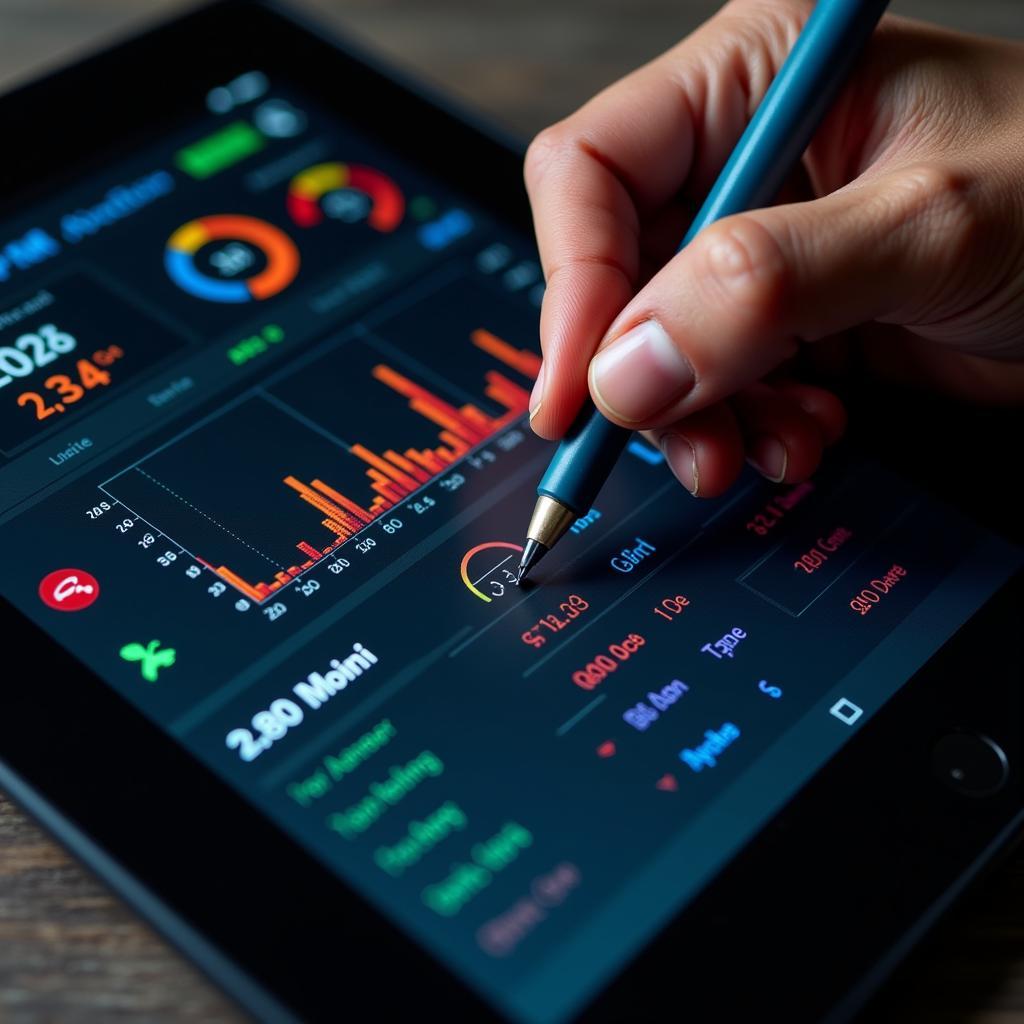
[[256, 345], [216, 152]]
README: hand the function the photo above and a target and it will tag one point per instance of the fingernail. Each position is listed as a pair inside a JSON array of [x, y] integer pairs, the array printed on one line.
[[768, 455], [640, 373], [537, 395], [681, 457]]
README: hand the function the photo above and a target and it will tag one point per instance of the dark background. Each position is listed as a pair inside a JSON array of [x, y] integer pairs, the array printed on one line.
[[71, 952], [524, 62]]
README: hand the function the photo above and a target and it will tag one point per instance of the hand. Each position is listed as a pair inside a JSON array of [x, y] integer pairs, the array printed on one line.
[[904, 225]]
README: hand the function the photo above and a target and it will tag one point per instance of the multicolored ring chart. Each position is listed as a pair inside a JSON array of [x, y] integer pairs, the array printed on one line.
[[279, 250], [311, 185]]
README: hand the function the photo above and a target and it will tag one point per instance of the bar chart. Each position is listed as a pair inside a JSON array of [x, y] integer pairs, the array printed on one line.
[[307, 461]]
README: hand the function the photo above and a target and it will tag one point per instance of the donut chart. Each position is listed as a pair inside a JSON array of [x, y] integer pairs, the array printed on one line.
[[384, 201], [248, 234]]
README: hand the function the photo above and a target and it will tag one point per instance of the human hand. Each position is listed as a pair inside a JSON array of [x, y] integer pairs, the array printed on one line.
[[902, 233]]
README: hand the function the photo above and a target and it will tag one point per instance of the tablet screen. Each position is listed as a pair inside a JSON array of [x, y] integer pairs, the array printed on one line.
[[265, 469]]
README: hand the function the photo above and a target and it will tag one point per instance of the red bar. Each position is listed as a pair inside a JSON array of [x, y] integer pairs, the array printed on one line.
[[427, 459], [283, 578], [294, 570], [511, 403], [236, 581], [377, 477], [508, 418], [514, 396], [314, 499], [449, 421], [403, 463], [445, 456], [336, 528], [478, 418], [422, 396], [389, 491], [308, 549], [354, 525], [403, 479], [323, 505], [526, 362], [329, 508], [334, 495], [383, 485], [455, 443]]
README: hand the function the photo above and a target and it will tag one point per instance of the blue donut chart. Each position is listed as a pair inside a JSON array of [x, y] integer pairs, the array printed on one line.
[[280, 252], [184, 273]]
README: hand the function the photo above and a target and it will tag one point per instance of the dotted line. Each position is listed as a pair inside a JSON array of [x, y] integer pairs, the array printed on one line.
[[205, 516]]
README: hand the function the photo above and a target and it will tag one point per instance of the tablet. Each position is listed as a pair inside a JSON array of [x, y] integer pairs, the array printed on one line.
[[268, 329]]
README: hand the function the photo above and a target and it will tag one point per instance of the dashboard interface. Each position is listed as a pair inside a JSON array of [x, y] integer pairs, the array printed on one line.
[[264, 469]]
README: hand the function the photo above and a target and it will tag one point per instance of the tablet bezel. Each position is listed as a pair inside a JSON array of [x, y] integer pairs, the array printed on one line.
[[284, 959]]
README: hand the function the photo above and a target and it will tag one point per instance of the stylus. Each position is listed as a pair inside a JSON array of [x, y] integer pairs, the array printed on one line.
[[779, 132]]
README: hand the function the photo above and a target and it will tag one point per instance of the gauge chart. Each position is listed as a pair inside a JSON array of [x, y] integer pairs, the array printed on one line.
[[487, 570], [350, 193]]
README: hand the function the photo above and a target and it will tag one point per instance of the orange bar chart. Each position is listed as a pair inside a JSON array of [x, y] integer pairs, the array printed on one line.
[[394, 474]]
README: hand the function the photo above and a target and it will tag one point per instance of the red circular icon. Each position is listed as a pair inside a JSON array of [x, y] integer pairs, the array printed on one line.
[[69, 590]]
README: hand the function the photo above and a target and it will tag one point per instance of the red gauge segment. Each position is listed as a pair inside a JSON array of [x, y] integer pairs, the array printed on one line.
[[346, 192]]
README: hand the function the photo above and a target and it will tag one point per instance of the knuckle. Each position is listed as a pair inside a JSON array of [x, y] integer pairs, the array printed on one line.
[[545, 149], [744, 267], [940, 205]]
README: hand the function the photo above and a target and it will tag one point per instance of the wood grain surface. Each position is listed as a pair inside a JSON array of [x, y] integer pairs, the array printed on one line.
[[69, 950]]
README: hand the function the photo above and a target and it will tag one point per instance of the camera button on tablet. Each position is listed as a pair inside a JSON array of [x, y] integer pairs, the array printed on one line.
[[970, 764]]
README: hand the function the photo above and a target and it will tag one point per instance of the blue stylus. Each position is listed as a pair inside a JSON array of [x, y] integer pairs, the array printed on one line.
[[779, 132]]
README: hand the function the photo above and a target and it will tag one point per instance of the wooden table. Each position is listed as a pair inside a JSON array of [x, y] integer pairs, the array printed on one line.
[[71, 952]]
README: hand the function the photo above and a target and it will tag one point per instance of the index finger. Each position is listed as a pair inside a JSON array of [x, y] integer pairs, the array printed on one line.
[[593, 177], [590, 177]]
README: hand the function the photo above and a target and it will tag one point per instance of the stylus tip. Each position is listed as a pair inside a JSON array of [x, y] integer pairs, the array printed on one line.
[[533, 552]]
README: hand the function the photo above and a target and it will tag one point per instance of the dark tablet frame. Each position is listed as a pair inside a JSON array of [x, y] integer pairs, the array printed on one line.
[[806, 921]]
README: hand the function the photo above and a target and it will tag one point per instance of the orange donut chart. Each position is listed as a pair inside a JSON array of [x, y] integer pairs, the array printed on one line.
[[470, 585], [280, 251]]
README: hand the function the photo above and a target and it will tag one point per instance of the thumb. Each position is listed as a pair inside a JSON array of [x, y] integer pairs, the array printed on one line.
[[732, 305]]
